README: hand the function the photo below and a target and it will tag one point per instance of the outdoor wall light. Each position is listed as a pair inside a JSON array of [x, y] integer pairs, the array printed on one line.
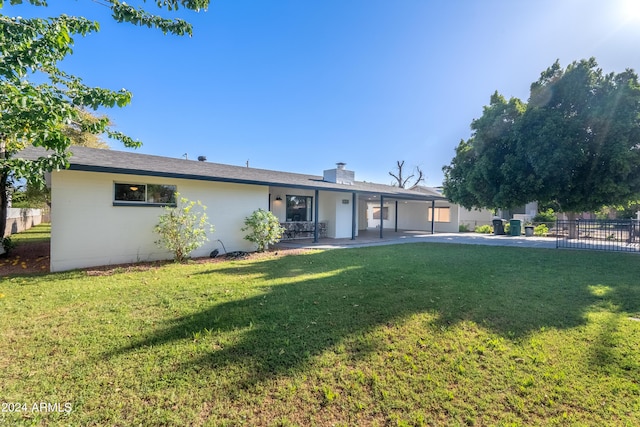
[[278, 198]]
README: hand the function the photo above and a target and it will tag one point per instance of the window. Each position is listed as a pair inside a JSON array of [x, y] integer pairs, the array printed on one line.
[[385, 213], [441, 215], [158, 193], [144, 194], [299, 208]]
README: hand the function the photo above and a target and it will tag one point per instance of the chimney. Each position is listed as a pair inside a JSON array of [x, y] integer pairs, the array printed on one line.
[[339, 175]]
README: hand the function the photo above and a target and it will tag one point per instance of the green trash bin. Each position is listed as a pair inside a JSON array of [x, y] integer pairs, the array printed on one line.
[[514, 227]]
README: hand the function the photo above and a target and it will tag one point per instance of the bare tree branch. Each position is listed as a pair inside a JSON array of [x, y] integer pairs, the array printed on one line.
[[402, 182]]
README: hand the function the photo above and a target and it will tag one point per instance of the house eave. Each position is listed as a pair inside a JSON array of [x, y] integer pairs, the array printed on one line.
[[209, 178]]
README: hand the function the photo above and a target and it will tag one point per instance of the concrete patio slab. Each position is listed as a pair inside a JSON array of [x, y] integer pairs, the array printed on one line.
[[372, 238]]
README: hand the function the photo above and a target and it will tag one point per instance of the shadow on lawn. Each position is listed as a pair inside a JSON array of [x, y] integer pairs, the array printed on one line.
[[326, 298]]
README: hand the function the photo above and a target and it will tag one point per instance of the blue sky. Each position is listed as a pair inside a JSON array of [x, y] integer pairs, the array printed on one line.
[[298, 85]]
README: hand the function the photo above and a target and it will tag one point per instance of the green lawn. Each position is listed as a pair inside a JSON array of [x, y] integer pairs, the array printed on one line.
[[415, 334], [39, 233]]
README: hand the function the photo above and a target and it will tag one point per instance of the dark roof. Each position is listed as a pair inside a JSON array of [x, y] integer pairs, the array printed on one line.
[[112, 161], [427, 190]]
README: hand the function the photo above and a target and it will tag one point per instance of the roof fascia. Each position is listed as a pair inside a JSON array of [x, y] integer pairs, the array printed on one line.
[[140, 172]]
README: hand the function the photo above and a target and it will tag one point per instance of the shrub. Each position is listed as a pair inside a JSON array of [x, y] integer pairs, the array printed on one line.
[[484, 229], [463, 228], [7, 245], [182, 229], [545, 216], [264, 229], [541, 230]]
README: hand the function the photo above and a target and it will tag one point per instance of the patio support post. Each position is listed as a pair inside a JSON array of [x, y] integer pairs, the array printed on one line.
[[353, 215], [396, 227], [381, 214], [433, 216], [315, 217]]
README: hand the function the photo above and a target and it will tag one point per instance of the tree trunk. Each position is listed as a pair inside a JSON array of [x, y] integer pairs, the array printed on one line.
[[4, 205], [4, 199], [573, 229], [402, 182]]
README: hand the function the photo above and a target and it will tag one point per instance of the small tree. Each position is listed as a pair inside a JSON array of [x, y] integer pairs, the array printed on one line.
[[264, 229], [182, 229]]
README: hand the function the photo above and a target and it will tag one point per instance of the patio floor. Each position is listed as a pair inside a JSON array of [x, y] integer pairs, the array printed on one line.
[[371, 237]]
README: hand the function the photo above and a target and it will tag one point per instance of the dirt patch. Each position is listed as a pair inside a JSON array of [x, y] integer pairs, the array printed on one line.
[[26, 258], [109, 270], [33, 258]]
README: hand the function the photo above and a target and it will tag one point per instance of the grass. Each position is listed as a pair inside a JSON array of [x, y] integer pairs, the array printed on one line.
[[406, 335], [37, 234]]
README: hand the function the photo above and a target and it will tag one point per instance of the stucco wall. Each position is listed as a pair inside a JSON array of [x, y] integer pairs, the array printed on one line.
[[341, 223], [87, 230], [327, 213], [412, 215], [454, 213], [474, 218], [21, 219], [415, 216]]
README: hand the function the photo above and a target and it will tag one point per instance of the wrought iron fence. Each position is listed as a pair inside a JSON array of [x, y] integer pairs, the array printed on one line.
[[607, 235]]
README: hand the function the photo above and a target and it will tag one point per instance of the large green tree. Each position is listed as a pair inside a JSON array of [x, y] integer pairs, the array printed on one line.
[[29, 195], [39, 101], [475, 176], [575, 144]]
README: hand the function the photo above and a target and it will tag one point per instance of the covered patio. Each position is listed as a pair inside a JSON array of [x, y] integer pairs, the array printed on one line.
[[355, 215], [364, 238]]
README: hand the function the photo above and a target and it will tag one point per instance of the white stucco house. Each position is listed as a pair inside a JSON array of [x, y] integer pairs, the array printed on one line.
[[105, 205]]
